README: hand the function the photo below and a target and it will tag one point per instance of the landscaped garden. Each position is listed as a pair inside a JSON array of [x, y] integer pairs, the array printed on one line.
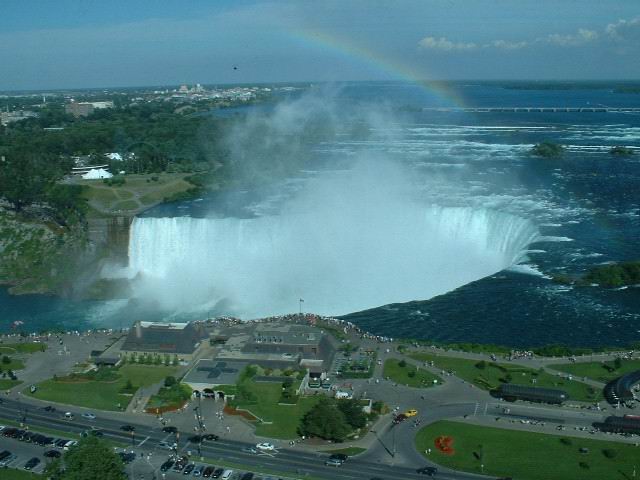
[[600, 371], [525, 455], [404, 373], [278, 417], [104, 389], [489, 375], [170, 397]]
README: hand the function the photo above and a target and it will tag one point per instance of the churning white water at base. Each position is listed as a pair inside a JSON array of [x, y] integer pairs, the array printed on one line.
[[337, 261]]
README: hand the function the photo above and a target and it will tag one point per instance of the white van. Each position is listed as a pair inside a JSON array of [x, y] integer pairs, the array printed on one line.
[[226, 475], [69, 444]]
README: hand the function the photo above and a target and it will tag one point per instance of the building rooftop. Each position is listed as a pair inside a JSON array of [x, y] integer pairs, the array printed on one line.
[[172, 338], [215, 372]]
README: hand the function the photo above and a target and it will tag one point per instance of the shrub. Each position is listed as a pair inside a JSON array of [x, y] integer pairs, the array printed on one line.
[[169, 381], [411, 373], [6, 360], [566, 441], [610, 453], [584, 465], [481, 365], [402, 363]]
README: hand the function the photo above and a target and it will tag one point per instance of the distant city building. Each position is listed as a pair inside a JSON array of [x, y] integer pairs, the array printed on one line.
[[84, 109], [9, 117]]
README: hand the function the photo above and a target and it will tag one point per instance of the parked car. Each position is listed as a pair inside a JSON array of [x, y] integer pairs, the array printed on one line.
[[217, 473], [198, 470], [188, 469], [52, 454], [31, 463], [128, 428], [333, 462], [169, 429], [247, 476], [207, 472], [166, 465]]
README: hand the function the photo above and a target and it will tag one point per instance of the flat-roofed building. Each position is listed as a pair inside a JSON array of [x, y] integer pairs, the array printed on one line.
[[174, 339]]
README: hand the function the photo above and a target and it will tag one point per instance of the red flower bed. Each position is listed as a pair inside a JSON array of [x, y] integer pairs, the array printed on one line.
[[444, 444]]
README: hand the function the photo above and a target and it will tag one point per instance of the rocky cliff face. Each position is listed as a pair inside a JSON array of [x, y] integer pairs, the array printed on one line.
[[39, 256]]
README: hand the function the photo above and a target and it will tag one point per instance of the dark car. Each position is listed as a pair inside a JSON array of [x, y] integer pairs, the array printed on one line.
[[207, 472], [217, 473], [61, 442], [128, 428], [127, 457], [399, 418], [430, 471], [49, 408], [187, 470], [52, 454], [33, 462], [247, 476], [211, 436], [169, 429], [166, 465], [339, 456]]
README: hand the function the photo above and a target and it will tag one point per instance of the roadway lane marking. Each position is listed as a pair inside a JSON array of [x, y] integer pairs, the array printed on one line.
[[142, 442]]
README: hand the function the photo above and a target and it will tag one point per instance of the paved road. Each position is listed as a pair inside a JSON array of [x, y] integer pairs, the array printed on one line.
[[297, 463]]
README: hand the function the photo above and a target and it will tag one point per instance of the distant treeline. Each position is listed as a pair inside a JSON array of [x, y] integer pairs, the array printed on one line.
[[601, 85]]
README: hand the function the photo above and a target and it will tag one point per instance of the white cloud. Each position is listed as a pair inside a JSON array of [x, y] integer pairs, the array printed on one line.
[[583, 37], [624, 30], [506, 45], [432, 43]]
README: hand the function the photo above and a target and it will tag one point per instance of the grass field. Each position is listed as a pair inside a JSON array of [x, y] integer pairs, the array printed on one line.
[[6, 384], [528, 456], [102, 395], [493, 374], [284, 418], [402, 375], [138, 192], [14, 364], [11, 348], [597, 370], [15, 474]]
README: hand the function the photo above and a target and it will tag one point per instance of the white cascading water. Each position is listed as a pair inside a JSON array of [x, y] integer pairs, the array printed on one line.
[[340, 259]]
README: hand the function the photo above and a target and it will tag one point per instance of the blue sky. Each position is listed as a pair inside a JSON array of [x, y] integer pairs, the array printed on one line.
[[68, 44]]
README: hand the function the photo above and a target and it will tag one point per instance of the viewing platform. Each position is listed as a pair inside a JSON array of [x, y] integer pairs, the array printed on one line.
[[534, 109]]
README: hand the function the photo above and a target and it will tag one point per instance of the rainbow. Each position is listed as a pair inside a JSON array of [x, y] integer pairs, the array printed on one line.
[[395, 70]]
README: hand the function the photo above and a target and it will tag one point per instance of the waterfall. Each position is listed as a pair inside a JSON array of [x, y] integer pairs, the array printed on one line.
[[338, 261]]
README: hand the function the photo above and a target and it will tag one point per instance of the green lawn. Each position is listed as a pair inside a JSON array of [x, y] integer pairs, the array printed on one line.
[[6, 384], [350, 451], [402, 375], [527, 456], [15, 474], [175, 395], [490, 377], [285, 418], [597, 370], [103, 395], [14, 364], [10, 348]]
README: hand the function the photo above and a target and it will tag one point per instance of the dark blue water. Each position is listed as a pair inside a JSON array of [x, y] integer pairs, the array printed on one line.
[[586, 206]]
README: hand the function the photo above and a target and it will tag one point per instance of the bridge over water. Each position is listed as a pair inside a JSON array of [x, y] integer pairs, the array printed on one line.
[[534, 109]]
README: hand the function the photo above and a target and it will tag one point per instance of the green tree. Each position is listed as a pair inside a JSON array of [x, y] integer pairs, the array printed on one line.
[[169, 381], [617, 363], [24, 178], [402, 363], [91, 459], [6, 360], [326, 421], [353, 413]]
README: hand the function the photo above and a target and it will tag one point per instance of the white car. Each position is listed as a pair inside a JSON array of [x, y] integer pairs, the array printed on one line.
[[267, 447], [90, 416]]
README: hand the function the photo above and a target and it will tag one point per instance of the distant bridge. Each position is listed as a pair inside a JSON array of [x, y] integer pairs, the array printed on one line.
[[534, 109]]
